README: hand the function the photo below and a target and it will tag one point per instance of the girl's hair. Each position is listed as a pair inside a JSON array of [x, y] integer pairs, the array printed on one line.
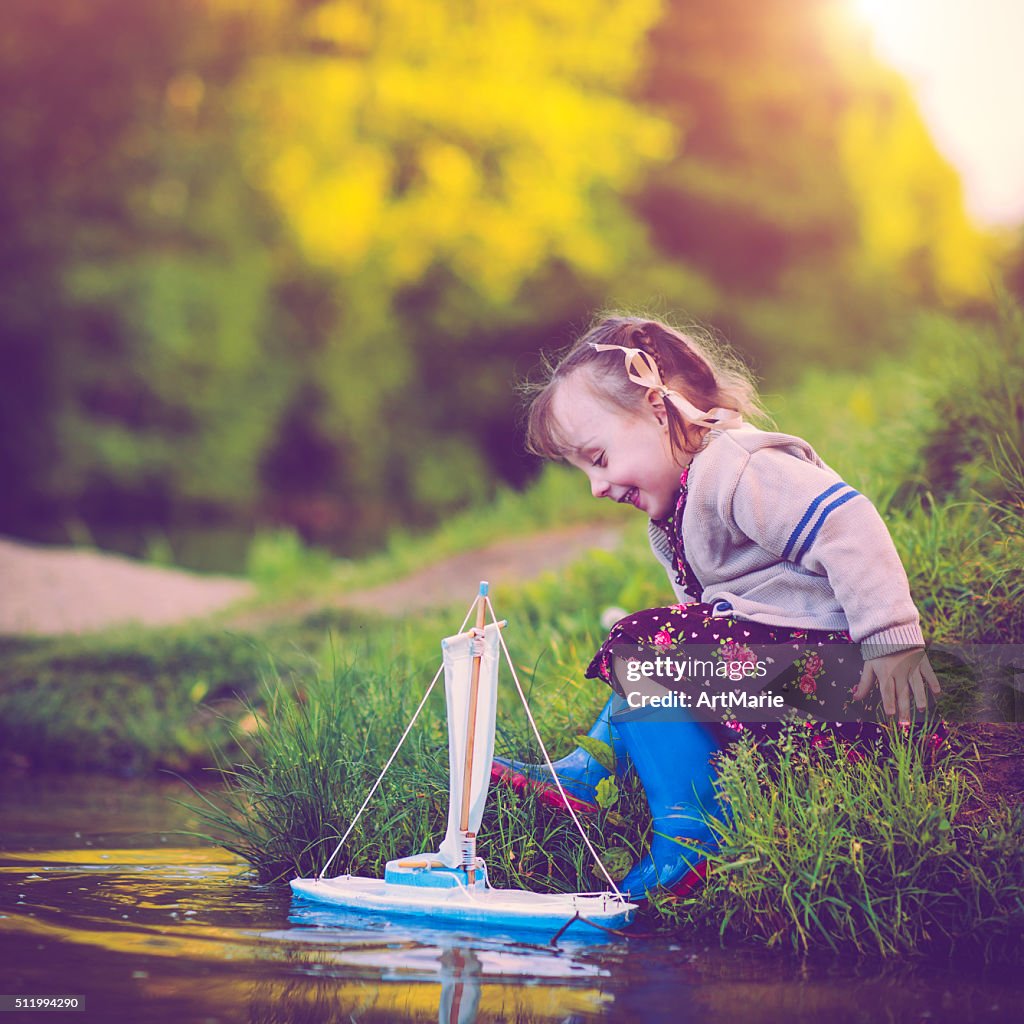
[[695, 364]]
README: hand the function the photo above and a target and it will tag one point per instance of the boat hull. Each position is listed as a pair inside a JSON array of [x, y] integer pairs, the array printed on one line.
[[478, 906]]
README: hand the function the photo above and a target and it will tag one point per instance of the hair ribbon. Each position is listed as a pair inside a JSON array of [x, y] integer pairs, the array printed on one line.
[[642, 369]]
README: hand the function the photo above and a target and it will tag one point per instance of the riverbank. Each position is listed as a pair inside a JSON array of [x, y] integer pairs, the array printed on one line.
[[294, 701]]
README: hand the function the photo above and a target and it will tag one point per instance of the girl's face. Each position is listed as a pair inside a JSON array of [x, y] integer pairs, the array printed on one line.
[[626, 456]]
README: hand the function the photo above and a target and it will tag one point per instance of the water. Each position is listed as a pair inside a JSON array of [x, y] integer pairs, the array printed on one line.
[[98, 899]]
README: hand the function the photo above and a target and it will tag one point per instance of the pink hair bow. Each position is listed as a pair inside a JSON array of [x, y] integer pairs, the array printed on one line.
[[642, 370]]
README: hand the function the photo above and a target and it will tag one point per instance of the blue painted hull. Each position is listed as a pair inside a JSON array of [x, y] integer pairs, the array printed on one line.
[[478, 906]]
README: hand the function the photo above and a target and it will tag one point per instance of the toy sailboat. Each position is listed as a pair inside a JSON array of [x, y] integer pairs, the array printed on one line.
[[451, 886]]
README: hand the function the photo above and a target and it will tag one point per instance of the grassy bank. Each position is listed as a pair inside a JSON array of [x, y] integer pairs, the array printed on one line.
[[874, 855], [819, 851], [303, 716]]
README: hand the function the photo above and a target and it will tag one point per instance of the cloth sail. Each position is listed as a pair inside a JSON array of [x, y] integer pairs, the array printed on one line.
[[458, 668]]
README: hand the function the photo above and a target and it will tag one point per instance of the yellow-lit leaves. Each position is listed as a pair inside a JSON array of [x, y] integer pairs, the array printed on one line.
[[477, 138]]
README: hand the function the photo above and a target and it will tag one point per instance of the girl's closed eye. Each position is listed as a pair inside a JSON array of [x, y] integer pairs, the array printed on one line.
[[598, 461]]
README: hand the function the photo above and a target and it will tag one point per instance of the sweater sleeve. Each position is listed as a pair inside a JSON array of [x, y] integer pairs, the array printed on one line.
[[801, 512]]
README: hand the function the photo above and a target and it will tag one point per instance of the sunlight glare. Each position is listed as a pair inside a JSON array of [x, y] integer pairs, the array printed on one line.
[[961, 57], [882, 16]]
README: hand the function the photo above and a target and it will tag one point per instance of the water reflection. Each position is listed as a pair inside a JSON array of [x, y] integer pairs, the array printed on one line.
[[461, 998], [460, 989], [145, 906], [147, 927], [477, 977]]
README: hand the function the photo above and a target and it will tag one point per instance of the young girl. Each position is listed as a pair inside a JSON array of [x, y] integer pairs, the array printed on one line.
[[763, 543]]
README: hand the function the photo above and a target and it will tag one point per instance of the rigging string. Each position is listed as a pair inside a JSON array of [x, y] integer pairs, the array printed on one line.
[[547, 760], [408, 729], [536, 732]]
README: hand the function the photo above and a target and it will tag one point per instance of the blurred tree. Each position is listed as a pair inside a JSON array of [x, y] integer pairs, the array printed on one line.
[[915, 231], [805, 187], [287, 257], [437, 161], [64, 160], [138, 337]]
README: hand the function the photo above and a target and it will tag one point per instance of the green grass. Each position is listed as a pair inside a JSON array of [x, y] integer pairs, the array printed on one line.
[[132, 701], [314, 756], [818, 850], [821, 851]]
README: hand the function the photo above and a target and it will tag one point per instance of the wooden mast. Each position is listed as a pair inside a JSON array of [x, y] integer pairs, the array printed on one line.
[[474, 697]]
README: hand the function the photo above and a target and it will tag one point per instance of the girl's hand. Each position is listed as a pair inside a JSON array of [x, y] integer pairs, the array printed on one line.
[[897, 675]]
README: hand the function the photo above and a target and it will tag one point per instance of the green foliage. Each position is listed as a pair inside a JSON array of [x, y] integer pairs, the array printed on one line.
[[279, 262], [616, 861], [189, 403], [281, 563], [960, 528], [430, 169], [821, 850], [978, 433], [145, 284], [607, 792], [436, 149], [805, 191]]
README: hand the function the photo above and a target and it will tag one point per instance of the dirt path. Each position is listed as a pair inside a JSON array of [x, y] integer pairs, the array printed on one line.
[[45, 591], [52, 591]]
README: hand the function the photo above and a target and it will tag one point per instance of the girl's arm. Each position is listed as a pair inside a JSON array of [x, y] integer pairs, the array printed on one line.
[[804, 513]]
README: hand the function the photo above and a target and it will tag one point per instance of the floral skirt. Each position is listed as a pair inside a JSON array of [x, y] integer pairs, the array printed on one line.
[[816, 689]]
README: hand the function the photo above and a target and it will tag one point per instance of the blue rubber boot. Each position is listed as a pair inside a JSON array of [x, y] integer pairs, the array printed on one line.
[[579, 772], [671, 756]]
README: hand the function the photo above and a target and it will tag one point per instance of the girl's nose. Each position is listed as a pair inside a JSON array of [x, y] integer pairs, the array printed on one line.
[[598, 487]]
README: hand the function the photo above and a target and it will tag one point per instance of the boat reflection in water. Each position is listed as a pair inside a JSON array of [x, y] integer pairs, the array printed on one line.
[[449, 978]]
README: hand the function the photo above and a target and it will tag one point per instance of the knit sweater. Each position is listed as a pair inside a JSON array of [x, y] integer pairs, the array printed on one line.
[[775, 536]]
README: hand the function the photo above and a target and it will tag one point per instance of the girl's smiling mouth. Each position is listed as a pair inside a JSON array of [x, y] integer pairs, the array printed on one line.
[[630, 497]]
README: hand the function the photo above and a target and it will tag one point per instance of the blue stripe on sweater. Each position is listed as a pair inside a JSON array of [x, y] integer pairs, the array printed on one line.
[[841, 500], [806, 518]]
